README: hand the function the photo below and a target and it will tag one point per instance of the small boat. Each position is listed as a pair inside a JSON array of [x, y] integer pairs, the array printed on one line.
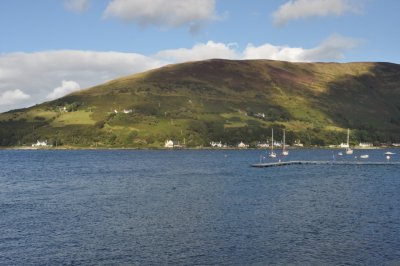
[[340, 153], [285, 152], [364, 156], [389, 153], [349, 151], [272, 154], [387, 157]]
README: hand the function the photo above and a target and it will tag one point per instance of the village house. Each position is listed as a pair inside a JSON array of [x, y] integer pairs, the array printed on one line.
[[216, 144], [169, 144], [365, 145], [262, 145], [343, 145], [297, 143], [41, 144], [278, 144], [259, 115], [173, 144], [242, 145]]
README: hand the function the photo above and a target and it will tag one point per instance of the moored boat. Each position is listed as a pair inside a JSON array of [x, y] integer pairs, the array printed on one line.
[[272, 154], [389, 153], [285, 152], [349, 151]]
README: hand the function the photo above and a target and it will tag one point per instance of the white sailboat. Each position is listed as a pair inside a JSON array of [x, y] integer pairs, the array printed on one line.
[[349, 151], [272, 154], [389, 153], [285, 152]]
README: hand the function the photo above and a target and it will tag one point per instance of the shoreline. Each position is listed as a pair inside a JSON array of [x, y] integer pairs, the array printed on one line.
[[186, 148]]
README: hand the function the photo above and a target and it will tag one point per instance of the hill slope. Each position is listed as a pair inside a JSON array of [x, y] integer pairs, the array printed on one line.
[[225, 100]]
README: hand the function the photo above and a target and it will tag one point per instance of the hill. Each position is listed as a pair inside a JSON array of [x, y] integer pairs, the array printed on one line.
[[220, 100]]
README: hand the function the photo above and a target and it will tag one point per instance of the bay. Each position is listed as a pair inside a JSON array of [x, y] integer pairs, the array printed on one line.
[[191, 207]]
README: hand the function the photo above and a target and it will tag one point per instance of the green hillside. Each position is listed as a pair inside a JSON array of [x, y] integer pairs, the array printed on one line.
[[220, 100]]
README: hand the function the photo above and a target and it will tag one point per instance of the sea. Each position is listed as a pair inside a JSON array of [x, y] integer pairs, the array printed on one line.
[[197, 207]]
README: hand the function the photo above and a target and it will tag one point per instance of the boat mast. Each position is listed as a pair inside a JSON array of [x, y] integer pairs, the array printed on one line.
[[284, 144], [272, 146]]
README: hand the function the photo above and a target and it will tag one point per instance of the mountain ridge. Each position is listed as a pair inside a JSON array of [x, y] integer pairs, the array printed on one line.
[[221, 100]]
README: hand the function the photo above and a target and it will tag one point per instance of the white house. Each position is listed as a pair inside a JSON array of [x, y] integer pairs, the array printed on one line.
[[260, 115], [278, 144], [343, 145], [169, 144], [216, 144], [241, 145], [365, 145], [41, 144], [262, 145], [297, 143]]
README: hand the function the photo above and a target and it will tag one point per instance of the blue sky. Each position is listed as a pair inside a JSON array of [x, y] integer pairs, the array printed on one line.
[[49, 48]]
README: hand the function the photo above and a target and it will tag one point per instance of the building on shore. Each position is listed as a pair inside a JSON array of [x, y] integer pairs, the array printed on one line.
[[262, 145], [365, 145], [216, 144], [41, 144], [297, 143], [173, 144], [169, 143], [242, 145], [344, 145]]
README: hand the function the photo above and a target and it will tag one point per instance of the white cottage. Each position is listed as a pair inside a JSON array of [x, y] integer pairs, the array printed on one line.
[[169, 144], [216, 144], [242, 145], [41, 144]]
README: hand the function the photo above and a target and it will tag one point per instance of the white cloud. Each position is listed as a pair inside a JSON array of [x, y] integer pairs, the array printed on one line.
[[77, 6], [65, 88], [200, 52], [37, 74], [11, 97], [269, 51], [333, 48], [300, 9], [164, 13]]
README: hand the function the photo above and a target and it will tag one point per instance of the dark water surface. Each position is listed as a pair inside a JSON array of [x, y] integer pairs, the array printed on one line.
[[195, 208]]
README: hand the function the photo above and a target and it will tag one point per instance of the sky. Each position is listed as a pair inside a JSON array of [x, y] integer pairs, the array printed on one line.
[[49, 48]]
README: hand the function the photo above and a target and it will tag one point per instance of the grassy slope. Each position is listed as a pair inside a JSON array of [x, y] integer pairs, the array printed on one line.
[[216, 100]]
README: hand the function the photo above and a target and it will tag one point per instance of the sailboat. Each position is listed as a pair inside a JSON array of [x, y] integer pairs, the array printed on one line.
[[349, 151], [272, 154], [285, 152]]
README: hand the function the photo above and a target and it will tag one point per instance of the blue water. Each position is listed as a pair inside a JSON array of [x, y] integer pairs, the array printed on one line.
[[195, 208]]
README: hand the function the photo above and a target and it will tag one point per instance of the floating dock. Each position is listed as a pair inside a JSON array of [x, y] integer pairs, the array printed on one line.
[[275, 164]]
